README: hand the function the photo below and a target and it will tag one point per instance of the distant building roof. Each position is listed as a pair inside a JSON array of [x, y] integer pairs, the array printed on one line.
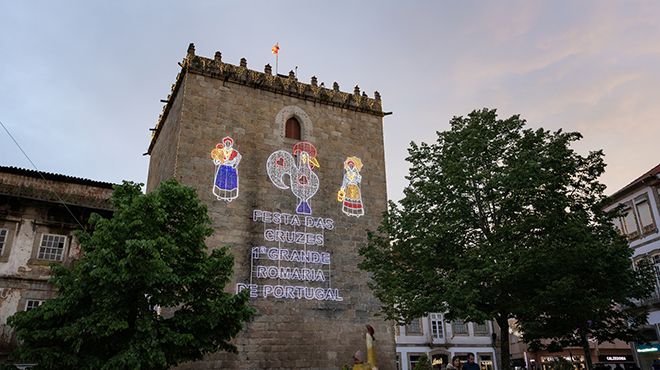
[[648, 177], [53, 187], [55, 177]]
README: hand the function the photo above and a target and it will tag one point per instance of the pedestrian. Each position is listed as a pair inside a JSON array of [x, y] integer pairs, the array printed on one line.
[[470, 364], [455, 364]]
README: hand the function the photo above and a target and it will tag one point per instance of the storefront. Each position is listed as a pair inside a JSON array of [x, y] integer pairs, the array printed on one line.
[[551, 362], [607, 356], [439, 360], [485, 361]]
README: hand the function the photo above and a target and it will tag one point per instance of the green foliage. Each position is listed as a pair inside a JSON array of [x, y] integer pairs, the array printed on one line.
[[150, 254], [503, 222], [423, 364], [561, 363]]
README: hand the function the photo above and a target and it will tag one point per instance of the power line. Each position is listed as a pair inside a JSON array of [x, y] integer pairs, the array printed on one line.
[[41, 175]]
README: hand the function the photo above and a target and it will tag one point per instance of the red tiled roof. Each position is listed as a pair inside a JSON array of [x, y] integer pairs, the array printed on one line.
[[649, 175]]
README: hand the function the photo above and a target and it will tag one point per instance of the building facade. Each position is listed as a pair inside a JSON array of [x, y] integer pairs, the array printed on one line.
[[293, 174], [36, 230], [639, 223], [604, 355], [641, 210], [441, 340]]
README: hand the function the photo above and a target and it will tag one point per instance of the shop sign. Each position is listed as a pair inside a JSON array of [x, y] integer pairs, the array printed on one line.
[[615, 358]]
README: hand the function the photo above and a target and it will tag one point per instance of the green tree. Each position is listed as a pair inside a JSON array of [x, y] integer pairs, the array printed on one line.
[[561, 363], [496, 216], [150, 254], [598, 303], [423, 363]]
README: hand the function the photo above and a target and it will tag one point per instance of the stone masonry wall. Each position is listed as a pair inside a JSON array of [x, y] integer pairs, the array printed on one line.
[[163, 155], [301, 334]]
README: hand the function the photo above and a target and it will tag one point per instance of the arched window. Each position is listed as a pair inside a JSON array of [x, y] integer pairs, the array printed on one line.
[[292, 129]]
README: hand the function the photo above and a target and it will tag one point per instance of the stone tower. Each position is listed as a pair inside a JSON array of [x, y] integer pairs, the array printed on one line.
[[293, 175]]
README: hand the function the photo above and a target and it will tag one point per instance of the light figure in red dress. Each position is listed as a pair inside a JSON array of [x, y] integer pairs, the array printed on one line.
[[350, 194]]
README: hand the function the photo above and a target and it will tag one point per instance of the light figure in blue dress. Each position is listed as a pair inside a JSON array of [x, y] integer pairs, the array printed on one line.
[[226, 158]]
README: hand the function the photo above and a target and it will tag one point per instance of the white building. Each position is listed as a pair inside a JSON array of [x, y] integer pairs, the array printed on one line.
[[36, 230], [641, 201], [440, 341]]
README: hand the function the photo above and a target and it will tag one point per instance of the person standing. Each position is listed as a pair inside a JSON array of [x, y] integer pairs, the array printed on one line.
[[455, 364], [470, 364]]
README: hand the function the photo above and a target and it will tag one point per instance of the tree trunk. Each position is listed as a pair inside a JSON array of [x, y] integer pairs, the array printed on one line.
[[505, 351], [587, 351]]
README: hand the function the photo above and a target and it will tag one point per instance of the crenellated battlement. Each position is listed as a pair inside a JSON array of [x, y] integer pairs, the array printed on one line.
[[279, 84], [287, 85]]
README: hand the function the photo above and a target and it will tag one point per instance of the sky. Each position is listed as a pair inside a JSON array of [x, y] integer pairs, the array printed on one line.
[[81, 81]]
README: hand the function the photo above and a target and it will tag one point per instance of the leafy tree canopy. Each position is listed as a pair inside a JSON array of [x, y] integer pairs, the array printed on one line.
[[150, 254], [501, 222], [423, 363]]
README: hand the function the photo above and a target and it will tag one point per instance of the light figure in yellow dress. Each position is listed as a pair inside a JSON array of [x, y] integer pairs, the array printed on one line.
[[349, 193]]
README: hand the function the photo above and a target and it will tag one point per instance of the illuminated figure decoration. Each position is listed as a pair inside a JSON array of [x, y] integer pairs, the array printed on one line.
[[349, 193], [226, 158], [304, 182]]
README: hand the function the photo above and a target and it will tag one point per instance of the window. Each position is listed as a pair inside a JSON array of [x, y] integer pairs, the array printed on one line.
[[645, 215], [481, 329], [3, 240], [436, 325], [485, 362], [398, 361], [415, 327], [459, 327], [292, 129], [617, 225], [630, 223], [656, 268], [32, 303], [52, 247]]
